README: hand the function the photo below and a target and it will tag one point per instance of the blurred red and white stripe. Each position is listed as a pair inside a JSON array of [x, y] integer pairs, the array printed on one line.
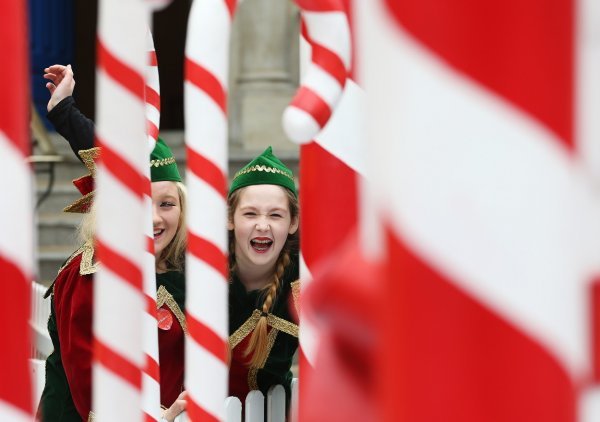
[[152, 92], [16, 219], [325, 25], [206, 70], [119, 300], [490, 214], [330, 206], [151, 373]]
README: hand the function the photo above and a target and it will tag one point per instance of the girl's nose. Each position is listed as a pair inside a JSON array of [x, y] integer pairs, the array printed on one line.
[[262, 225]]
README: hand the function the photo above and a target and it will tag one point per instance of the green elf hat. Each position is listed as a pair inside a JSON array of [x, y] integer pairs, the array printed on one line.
[[162, 168], [266, 169]]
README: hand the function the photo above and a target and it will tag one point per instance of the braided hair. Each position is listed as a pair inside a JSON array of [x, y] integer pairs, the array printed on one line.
[[258, 344]]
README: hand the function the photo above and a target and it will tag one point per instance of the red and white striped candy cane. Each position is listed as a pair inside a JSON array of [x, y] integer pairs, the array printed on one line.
[[16, 223], [152, 93], [151, 373], [119, 300], [326, 27], [206, 70]]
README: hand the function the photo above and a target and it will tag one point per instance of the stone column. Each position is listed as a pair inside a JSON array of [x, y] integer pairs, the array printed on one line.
[[264, 74]]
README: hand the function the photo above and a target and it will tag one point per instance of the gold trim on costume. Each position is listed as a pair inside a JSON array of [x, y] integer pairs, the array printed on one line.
[[163, 297], [296, 295], [253, 372], [262, 167], [245, 329], [88, 266], [282, 325], [272, 320], [71, 258], [162, 162], [80, 204], [91, 417], [88, 156]]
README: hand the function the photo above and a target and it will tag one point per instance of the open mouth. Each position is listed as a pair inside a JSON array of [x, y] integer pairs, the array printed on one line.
[[261, 244], [158, 232]]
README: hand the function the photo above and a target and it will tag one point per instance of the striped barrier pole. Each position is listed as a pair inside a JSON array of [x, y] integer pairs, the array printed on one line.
[[151, 372], [206, 70], [119, 300], [16, 222]]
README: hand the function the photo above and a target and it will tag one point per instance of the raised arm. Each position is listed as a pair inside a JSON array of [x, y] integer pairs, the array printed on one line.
[[64, 115]]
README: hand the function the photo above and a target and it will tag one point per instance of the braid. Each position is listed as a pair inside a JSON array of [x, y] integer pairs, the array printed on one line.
[[258, 340]]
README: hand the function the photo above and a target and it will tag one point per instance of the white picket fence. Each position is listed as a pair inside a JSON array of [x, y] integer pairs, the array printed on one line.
[[254, 405]]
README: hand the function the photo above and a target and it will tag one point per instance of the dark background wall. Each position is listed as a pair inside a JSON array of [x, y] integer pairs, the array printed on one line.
[[64, 31]]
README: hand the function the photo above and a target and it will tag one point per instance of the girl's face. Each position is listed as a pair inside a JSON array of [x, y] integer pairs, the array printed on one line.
[[261, 224], [166, 210]]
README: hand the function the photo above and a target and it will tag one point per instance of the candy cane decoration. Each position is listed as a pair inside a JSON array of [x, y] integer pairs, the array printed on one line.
[[151, 373], [119, 301], [16, 249], [152, 93], [206, 69], [326, 27]]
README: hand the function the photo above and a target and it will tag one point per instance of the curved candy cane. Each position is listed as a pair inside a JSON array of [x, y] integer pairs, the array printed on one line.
[[206, 70], [326, 27]]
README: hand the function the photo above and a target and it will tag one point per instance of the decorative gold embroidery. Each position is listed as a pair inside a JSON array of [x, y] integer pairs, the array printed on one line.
[[91, 417], [88, 156], [296, 294], [260, 167], [71, 258], [82, 204], [88, 266], [163, 297], [162, 162], [245, 329], [253, 372], [253, 379], [283, 325], [248, 326]]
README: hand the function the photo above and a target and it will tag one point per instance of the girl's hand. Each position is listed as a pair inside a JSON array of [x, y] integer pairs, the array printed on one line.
[[61, 83], [176, 408]]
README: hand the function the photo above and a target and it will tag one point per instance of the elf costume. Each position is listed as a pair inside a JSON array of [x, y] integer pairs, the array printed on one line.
[[67, 393], [246, 308]]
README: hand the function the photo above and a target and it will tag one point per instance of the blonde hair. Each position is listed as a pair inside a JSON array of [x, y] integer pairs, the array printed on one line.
[[258, 344], [174, 253]]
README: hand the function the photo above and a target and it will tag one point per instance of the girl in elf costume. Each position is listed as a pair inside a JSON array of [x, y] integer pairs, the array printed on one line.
[[67, 392], [263, 262]]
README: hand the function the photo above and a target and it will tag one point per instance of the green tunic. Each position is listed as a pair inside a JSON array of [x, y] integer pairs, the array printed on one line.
[[244, 312], [70, 320]]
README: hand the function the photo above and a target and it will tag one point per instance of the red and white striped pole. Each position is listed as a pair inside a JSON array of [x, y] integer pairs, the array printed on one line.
[[119, 300], [490, 232], [151, 372], [16, 222], [152, 93], [206, 70], [329, 210], [326, 27]]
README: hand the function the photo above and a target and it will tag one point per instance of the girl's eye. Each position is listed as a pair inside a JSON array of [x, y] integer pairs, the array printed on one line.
[[167, 204], [249, 214], [276, 215]]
